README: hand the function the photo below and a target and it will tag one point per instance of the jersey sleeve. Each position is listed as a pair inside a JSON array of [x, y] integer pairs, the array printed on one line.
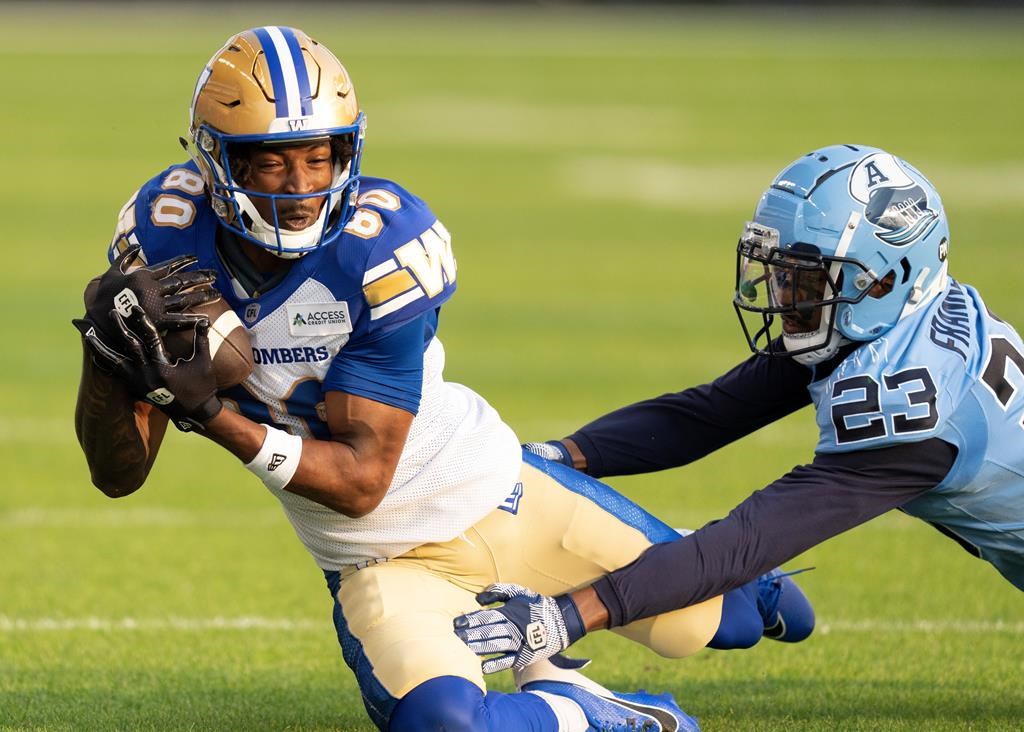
[[410, 269], [676, 429], [158, 216], [803, 508], [387, 366]]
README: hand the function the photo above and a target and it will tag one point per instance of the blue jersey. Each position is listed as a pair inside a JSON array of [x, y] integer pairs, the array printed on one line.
[[954, 372], [324, 326], [359, 317]]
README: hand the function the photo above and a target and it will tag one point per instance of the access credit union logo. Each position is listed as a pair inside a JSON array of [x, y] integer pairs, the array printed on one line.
[[319, 319]]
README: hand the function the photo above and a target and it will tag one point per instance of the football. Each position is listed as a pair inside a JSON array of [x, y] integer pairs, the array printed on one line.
[[230, 349], [229, 343]]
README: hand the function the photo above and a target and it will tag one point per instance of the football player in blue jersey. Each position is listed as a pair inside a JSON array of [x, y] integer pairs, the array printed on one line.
[[409, 492], [844, 296]]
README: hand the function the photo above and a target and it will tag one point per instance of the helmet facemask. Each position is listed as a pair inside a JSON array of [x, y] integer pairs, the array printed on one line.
[[796, 286], [235, 203]]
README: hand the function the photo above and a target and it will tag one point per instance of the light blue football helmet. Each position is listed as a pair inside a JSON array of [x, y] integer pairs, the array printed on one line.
[[846, 242]]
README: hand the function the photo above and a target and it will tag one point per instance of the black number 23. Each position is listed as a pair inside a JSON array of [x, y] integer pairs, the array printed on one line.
[[918, 388]]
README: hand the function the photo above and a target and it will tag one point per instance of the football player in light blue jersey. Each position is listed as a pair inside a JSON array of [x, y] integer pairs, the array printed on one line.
[[409, 492], [844, 296]]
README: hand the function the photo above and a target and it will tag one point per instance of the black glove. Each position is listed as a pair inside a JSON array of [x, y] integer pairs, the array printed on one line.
[[186, 391], [162, 291]]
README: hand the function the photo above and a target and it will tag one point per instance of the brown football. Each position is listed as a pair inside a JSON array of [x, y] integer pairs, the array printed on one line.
[[230, 348]]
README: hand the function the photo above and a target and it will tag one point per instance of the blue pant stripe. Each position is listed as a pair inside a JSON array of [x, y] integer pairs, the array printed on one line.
[[606, 497], [378, 702]]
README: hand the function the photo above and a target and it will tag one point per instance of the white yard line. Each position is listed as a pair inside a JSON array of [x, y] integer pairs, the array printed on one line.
[[305, 625], [661, 184], [33, 625], [43, 518]]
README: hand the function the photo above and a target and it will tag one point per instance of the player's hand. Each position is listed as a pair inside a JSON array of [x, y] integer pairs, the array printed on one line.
[[163, 291], [527, 628], [186, 390], [550, 450]]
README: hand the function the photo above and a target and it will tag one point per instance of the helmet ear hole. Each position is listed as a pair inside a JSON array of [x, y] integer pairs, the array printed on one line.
[[884, 286]]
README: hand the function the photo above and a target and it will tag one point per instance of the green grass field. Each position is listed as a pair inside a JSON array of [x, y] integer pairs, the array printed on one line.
[[595, 169]]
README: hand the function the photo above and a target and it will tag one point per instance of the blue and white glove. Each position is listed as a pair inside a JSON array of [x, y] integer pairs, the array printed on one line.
[[551, 450], [527, 628]]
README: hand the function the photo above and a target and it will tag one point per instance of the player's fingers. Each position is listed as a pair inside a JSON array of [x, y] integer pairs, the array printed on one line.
[[163, 269], [495, 593], [190, 299], [491, 641], [180, 321], [479, 617], [203, 339], [501, 663], [134, 344], [193, 279], [149, 335], [486, 632], [125, 258]]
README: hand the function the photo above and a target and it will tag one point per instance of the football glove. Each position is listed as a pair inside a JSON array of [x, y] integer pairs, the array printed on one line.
[[162, 291], [186, 391], [527, 628], [550, 450]]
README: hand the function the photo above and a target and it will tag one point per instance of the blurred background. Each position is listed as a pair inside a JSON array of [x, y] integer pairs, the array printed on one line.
[[595, 163]]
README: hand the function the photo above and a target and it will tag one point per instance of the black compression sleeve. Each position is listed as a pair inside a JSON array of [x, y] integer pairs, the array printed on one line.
[[675, 429], [800, 510]]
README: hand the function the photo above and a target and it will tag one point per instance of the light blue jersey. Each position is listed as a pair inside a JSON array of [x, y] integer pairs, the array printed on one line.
[[955, 372]]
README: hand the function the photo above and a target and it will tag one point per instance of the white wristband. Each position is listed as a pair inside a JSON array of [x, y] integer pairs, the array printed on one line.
[[278, 458]]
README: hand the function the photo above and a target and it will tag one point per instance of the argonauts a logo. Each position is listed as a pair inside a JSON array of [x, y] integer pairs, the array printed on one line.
[[893, 200]]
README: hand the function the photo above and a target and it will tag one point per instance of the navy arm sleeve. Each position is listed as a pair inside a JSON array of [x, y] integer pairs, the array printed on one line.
[[676, 429], [800, 510]]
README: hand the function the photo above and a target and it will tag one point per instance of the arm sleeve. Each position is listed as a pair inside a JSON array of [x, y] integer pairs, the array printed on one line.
[[387, 366], [676, 429], [800, 510]]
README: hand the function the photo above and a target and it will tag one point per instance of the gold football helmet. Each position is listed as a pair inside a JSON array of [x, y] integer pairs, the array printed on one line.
[[274, 86]]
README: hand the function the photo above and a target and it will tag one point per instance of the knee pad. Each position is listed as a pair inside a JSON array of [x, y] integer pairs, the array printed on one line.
[[447, 703]]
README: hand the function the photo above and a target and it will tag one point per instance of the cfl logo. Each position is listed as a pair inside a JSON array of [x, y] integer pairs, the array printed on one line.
[[536, 635], [160, 396], [124, 300]]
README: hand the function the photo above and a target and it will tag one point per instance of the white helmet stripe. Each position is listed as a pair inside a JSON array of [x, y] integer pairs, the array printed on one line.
[[283, 73]]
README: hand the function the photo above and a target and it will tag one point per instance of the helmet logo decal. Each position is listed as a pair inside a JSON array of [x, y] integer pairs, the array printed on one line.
[[893, 201], [287, 67]]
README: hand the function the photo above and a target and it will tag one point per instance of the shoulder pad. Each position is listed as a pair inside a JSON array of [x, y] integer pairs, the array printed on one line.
[[408, 266], [159, 211]]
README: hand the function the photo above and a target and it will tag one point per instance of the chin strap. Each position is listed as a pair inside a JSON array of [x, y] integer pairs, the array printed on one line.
[[293, 244], [827, 351]]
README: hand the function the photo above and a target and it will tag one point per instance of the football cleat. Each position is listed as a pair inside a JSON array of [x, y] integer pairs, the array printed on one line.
[[785, 609], [605, 710]]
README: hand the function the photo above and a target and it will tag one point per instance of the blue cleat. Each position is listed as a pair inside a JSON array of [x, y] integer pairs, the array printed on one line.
[[785, 609], [606, 711]]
